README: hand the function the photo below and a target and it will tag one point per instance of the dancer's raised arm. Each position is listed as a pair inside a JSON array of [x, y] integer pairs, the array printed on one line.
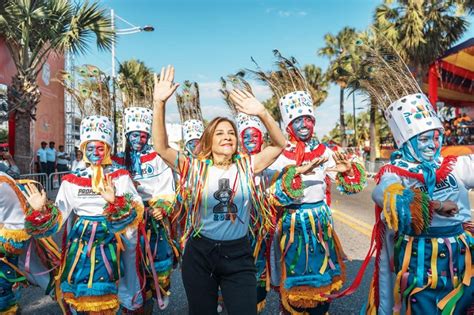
[[248, 104], [164, 88]]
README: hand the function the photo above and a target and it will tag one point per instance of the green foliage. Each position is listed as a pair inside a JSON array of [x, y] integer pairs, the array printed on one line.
[[363, 124], [136, 83], [3, 135], [33, 29], [422, 31]]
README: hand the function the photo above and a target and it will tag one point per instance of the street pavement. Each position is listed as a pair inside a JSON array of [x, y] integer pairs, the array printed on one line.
[[353, 219]]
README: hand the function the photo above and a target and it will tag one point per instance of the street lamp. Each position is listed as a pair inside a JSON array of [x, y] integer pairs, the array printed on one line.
[[126, 31]]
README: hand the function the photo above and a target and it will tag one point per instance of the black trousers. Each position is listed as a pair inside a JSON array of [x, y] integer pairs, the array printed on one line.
[[208, 264]]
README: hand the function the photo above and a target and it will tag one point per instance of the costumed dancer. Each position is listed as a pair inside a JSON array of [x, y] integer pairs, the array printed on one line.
[[311, 254], [27, 253], [217, 251], [155, 184], [423, 235], [107, 207], [252, 133], [191, 116]]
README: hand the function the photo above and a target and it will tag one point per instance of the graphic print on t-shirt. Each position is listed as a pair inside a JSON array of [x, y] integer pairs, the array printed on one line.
[[225, 208]]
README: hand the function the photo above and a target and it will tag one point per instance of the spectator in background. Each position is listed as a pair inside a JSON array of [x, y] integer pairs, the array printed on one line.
[[8, 165], [62, 160], [41, 158], [78, 163], [51, 158]]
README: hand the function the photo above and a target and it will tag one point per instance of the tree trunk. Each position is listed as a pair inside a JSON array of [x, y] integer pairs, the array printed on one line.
[[24, 96], [372, 133], [341, 119]]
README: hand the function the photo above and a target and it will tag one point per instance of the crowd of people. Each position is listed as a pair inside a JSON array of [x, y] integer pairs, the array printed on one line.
[[239, 217], [49, 160], [459, 131]]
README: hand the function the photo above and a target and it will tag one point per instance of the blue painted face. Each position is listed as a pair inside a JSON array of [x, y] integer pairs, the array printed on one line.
[[138, 140], [95, 152], [303, 127], [191, 146], [427, 145], [252, 140]]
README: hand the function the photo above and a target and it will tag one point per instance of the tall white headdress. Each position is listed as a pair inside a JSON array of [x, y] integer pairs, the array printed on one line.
[[387, 79], [97, 128]]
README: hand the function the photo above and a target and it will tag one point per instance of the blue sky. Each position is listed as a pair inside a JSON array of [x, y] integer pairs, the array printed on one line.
[[207, 39]]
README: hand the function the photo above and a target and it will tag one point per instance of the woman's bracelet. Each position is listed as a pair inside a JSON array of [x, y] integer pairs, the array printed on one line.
[[440, 206]]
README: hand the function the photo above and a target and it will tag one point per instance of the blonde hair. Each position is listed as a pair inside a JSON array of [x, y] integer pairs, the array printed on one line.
[[205, 143]]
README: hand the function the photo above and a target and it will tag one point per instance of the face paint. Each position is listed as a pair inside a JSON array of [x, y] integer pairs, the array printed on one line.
[[427, 145], [191, 146], [303, 127], [138, 140], [252, 140], [95, 152]]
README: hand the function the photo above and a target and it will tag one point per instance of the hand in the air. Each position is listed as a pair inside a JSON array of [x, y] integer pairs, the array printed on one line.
[[343, 164], [164, 85], [35, 198], [109, 191], [309, 168], [246, 103]]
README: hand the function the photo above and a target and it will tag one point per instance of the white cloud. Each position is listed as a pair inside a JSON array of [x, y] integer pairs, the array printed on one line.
[[286, 13]]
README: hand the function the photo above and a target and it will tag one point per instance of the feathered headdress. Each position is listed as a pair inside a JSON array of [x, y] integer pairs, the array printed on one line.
[[188, 102], [190, 111], [387, 79], [244, 121], [289, 85]]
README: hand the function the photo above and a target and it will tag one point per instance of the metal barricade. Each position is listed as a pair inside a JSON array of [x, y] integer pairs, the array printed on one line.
[[55, 182], [372, 168], [39, 177]]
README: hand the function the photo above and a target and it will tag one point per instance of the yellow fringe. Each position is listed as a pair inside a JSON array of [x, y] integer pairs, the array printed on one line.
[[261, 306], [11, 311], [371, 308], [103, 304], [390, 206], [138, 206], [14, 235], [306, 296]]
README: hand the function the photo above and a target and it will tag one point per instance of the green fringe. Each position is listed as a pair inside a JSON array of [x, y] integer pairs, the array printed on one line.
[[289, 175], [352, 188]]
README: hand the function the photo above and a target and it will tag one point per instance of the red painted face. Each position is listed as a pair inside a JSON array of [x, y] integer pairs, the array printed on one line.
[[95, 152], [252, 140], [302, 127]]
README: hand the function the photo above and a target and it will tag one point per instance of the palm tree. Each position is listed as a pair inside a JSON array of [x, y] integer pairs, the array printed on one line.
[[136, 82], [421, 31], [340, 51], [33, 30], [317, 83]]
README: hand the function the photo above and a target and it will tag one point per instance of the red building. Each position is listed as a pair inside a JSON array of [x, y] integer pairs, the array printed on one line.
[[50, 123]]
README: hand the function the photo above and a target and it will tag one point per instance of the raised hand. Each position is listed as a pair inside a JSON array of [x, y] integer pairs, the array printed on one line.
[[343, 164], [109, 191], [246, 103], [164, 85], [35, 198], [309, 168]]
